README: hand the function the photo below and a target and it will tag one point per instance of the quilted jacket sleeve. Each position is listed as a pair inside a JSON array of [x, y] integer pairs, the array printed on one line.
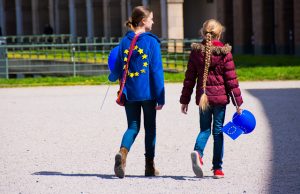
[[230, 78], [189, 80]]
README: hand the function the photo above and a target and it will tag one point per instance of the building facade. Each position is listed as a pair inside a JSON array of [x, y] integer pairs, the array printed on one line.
[[252, 26]]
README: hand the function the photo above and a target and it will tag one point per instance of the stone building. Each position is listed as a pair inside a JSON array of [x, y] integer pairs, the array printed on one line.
[[252, 26]]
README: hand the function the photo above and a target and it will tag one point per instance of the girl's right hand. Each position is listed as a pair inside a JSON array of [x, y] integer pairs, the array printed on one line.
[[184, 108], [239, 110], [159, 107]]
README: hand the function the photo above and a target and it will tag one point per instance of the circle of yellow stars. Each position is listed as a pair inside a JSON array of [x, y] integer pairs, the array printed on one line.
[[145, 64]]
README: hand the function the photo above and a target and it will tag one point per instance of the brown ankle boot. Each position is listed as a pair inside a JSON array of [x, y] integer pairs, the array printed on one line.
[[150, 168], [120, 162]]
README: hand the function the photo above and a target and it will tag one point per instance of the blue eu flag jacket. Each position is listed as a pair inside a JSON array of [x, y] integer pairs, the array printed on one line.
[[145, 79]]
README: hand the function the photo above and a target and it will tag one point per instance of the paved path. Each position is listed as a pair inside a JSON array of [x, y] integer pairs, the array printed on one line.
[[57, 140]]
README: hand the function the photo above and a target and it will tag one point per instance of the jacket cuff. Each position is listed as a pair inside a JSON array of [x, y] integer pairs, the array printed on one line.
[[184, 100]]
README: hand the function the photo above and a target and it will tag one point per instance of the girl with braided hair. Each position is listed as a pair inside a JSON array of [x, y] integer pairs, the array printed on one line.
[[211, 66]]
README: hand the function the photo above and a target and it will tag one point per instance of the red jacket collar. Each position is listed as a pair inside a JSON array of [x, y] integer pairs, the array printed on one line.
[[215, 43]]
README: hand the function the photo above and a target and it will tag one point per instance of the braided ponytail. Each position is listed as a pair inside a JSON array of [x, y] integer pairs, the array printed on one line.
[[204, 100]]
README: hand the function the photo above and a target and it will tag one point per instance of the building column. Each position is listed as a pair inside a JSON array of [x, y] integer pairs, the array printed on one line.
[[2, 18], [175, 24], [56, 20], [90, 19], [129, 8], [51, 13], [221, 11], [123, 16], [145, 3], [19, 17], [106, 17], [72, 16], [35, 16], [175, 19], [257, 14], [238, 25], [279, 26], [224, 12], [297, 27], [164, 16]]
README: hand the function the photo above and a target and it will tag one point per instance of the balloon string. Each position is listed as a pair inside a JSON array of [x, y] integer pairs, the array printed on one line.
[[233, 97], [105, 96]]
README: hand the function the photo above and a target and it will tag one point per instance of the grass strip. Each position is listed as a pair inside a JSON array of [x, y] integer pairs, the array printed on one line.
[[244, 74]]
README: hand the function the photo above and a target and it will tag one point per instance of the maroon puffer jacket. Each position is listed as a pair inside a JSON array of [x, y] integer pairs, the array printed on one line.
[[221, 80]]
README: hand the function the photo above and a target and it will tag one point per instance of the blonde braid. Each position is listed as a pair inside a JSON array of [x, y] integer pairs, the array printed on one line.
[[204, 100]]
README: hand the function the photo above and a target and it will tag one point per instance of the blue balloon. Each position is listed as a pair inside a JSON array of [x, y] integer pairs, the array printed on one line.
[[112, 58], [241, 124], [245, 121]]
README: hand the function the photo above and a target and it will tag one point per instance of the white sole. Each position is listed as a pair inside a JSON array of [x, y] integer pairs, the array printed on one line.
[[218, 177], [197, 167]]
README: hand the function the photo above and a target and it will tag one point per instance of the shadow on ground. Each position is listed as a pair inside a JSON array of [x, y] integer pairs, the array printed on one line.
[[111, 176], [282, 108]]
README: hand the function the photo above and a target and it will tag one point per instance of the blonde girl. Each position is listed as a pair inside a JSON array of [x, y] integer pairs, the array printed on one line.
[[211, 66]]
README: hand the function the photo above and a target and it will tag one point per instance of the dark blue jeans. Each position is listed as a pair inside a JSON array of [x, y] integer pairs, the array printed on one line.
[[133, 113], [217, 115]]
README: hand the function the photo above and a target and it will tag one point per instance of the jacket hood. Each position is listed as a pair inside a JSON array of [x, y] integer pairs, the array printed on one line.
[[218, 48], [130, 35]]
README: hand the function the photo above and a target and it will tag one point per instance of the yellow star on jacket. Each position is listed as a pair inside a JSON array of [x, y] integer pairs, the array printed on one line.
[[144, 64], [141, 51], [144, 73], [144, 56]]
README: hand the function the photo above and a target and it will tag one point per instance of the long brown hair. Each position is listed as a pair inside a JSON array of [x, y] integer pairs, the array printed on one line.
[[212, 29], [138, 14]]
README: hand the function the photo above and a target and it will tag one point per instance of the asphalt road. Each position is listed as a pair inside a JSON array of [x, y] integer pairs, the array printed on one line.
[[58, 140]]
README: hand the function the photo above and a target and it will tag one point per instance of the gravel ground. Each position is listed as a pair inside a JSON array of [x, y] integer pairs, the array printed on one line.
[[58, 140]]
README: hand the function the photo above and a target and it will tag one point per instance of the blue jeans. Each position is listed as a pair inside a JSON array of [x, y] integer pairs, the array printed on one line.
[[217, 115], [133, 113]]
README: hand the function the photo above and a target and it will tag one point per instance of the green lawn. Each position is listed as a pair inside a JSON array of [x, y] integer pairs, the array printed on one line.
[[248, 67], [266, 60]]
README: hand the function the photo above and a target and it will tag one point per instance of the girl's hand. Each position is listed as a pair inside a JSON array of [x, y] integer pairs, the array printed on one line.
[[239, 110], [159, 107], [184, 108]]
